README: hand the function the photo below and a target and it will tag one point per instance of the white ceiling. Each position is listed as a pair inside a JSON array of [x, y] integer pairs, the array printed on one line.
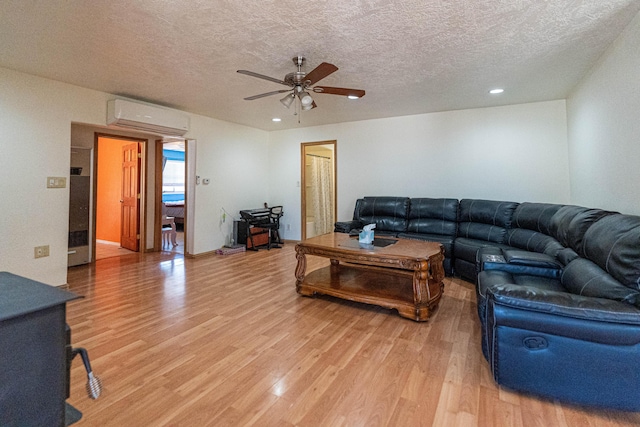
[[411, 57]]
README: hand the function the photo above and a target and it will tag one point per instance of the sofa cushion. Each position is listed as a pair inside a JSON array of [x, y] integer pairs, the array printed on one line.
[[559, 224], [570, 223], [534, 216], [613, 243], [485, 232], [583, 277], [433, 216], [486, 212], [356, 209], [484, 219], [533, 241], [389, 214], [566, 255]]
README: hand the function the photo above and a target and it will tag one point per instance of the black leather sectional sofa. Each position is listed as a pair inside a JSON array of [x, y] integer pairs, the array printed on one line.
[[558, 288]]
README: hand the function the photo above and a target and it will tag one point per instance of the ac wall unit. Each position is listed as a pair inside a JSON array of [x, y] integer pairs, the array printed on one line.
[[146, 118]]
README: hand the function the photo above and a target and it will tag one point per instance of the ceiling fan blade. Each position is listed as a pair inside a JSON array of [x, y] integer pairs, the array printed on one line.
[[262, 95], [339, 91], [262, 76], [320, 72]]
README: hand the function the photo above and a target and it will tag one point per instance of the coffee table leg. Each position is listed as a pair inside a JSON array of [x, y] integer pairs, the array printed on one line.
[[427, 287], [301, 269], [421, 295]]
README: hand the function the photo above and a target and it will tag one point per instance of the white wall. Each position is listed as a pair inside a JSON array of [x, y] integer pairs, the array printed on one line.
[[604, 129], [35, 138], [236, 160], [35, 133], [516, 153]]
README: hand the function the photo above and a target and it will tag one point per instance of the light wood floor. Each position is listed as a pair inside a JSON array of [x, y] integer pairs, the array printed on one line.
[[112, 249], [226, 341], [106, 249]]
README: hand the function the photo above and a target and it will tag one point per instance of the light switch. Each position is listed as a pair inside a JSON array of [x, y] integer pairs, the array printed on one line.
[[56, 182]]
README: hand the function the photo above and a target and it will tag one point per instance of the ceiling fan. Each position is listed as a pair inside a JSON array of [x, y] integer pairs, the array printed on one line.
[[300, 83]]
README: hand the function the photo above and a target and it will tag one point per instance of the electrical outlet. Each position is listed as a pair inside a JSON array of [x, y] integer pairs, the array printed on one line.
[[41, 251], [288, 227]]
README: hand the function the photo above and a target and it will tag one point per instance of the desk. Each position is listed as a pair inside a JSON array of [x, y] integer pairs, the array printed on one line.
[[257, 227]]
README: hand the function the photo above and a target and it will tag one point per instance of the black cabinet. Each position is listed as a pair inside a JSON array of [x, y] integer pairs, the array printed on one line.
[[33, 359]]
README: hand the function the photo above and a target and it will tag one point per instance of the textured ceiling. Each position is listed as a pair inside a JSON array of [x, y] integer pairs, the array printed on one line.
[[411, 57]]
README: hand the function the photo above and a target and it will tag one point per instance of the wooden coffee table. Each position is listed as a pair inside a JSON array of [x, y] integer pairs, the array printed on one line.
[[405, 275]]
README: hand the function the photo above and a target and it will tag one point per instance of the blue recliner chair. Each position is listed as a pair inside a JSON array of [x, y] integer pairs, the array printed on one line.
[[576, 337]]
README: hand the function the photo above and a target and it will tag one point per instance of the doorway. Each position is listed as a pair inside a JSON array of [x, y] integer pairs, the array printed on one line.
[[118, 196], [318, 188], [171, 194]]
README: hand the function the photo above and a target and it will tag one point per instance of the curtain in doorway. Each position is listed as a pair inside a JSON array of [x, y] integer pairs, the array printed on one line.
[[322, 194]]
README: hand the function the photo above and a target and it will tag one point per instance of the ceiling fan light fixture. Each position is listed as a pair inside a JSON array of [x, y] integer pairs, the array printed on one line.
[[353, 97], [288, 100], [305, 100]]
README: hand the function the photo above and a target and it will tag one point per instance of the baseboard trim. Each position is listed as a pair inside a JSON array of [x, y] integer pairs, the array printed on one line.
[[200, 255], [213, 252]]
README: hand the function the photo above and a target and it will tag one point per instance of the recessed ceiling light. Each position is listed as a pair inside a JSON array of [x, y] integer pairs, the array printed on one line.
[[496, 91], [353, 97], [276, 119]]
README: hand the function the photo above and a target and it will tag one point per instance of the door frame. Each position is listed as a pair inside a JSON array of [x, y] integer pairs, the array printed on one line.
[[142, 214], [303, 190], [157, 238]]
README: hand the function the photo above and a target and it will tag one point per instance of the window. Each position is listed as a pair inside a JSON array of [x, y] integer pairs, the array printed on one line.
[[173, 176]]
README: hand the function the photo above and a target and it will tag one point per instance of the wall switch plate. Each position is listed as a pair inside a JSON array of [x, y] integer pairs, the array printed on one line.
[[56, 182], [41, 251]]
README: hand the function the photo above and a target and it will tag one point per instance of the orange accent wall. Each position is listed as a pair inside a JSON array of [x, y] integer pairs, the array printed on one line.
[[109, 192]]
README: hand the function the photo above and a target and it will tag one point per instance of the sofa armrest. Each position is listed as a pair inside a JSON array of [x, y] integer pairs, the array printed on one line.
[[518, 262], [563, 313], [532, 259], [347, 226]]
